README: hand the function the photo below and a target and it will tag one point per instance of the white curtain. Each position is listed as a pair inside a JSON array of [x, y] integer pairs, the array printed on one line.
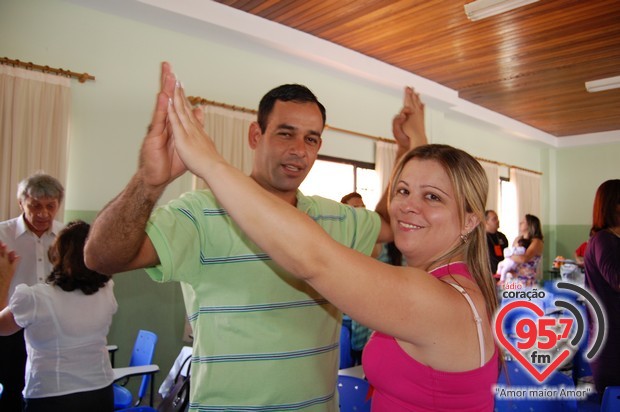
[[229, 130], [528, 192], [34, 131], [385, 156], [492, 172]]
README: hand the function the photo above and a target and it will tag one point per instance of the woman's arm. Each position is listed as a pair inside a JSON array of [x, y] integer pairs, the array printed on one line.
[[534, 249], [7, 323], [608, 260], [399, 301]]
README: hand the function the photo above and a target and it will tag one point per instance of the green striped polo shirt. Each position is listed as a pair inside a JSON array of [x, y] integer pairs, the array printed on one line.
[[263, 340]]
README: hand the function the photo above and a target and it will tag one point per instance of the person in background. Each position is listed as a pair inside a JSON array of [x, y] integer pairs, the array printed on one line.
[[602, 265], [30, 235], [264, 357], [528, 271], [580, 252], [66, 321], [433, 346], [508, 265], [359, 333], [496, 240], [353, 199]]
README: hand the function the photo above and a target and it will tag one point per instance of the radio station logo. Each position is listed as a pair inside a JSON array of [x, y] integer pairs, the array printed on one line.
[[542, 330]]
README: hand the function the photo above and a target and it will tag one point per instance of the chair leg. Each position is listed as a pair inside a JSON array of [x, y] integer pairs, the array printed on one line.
[[152, 390]]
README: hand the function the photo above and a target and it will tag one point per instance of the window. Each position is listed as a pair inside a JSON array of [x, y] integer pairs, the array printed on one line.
[[508, 215], [333, 178]]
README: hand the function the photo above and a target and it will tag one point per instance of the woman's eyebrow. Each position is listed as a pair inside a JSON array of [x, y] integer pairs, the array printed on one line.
[[436, 188]]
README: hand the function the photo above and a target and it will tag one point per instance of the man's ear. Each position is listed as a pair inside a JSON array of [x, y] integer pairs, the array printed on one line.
[[254, 135]]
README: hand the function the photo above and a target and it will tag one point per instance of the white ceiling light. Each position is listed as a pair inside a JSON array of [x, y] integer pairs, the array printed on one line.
[[603, 84], [481, 9]]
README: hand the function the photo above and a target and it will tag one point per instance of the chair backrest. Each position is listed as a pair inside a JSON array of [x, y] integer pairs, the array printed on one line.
[[353, 394], [346, 359], [519, 378], [142, 354], [611, 399]]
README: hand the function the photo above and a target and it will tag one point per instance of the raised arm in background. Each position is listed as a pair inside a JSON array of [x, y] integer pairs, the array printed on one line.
[[8, 264]]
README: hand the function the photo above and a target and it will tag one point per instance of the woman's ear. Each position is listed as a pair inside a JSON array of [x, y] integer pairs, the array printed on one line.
[[471, 222]]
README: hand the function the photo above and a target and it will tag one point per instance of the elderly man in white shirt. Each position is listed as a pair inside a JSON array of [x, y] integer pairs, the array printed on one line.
[[30, 235]]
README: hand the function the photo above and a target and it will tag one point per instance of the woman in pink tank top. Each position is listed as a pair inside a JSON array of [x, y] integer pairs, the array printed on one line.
[[434, 348]]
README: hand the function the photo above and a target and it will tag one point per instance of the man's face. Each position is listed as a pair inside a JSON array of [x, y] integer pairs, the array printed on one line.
[[492, 223], [286, 151], [39, 213]]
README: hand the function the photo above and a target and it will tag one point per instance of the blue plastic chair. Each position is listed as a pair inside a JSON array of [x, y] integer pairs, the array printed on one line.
[[353, 393], [346, 359], [142, 355], [518, 377], [611, 399]]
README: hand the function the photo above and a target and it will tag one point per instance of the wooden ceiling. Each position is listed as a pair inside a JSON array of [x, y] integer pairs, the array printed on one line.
[[529, 64]]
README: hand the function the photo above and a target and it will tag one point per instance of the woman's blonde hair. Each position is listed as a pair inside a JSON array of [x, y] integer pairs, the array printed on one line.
[[471, 187]]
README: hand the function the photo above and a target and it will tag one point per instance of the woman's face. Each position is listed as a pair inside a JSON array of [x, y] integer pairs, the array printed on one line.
[[523, 228], [424, 213]]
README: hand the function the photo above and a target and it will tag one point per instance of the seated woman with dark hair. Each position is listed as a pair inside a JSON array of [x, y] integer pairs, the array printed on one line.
[[527, 269], [65, 322]]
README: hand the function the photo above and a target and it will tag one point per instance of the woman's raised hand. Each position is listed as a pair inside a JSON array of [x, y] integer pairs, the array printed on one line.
[[193, 145]]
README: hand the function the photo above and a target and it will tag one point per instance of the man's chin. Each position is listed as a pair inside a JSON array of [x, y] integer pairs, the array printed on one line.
[[42, 228]]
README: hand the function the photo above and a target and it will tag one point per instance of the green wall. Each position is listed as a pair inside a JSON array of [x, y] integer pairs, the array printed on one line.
[[580, 170]]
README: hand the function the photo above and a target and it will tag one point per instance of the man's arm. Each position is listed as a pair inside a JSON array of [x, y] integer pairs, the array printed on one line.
[[117, 241], [409, 133]]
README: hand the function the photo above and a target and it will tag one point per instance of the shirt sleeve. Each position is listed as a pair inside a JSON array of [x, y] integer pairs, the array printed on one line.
[[366, 227], [23, 306], [173, 230]]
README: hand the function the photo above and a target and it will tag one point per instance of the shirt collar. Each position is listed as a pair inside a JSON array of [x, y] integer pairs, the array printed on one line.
[[22, 227]]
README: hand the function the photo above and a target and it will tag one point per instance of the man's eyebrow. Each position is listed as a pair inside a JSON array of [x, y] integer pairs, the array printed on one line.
[[287, 126]]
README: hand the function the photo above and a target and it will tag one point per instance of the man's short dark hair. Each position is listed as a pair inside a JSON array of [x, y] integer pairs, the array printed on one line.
[[345, 199], [287, 93]]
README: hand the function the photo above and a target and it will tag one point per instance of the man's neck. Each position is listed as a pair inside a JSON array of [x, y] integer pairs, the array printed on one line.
[[289, 197], [38, 233]]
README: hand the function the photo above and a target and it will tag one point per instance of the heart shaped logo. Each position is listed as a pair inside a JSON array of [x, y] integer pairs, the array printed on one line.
[[531, 329]]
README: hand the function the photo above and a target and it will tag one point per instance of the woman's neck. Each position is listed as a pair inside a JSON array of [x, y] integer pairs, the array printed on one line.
[[615, 230]]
